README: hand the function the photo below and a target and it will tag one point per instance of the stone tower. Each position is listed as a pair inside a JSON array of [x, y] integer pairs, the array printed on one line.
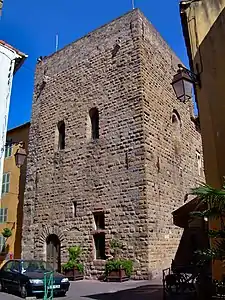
[[112, 152]]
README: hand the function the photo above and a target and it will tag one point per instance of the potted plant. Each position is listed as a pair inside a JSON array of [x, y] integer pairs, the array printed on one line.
[[7, 232], [214, 201], [117, 269], [73, 269]]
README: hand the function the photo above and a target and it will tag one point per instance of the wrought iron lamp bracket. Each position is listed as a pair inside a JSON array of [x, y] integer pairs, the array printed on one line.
[[194, 77]]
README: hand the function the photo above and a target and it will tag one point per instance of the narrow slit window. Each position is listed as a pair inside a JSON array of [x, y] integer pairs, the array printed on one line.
[[199, 162], [176, 120], [61, 129], [74, 208], [94, 117]]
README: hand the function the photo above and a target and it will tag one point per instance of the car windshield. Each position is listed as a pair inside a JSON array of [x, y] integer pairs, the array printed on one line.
[[35, 266]]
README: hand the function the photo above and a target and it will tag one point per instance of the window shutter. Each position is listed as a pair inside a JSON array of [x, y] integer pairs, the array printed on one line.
[[1, 217], [3, 184], [5, 214], [7, 183]]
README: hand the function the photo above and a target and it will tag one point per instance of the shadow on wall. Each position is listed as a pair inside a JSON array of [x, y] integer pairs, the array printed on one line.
[[19, 219], [147, 292], [192, 239]]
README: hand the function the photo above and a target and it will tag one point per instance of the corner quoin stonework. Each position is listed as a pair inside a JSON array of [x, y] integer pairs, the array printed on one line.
[[140, 168]]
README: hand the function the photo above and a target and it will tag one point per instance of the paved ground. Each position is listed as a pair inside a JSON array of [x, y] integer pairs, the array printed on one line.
[[87, 290]]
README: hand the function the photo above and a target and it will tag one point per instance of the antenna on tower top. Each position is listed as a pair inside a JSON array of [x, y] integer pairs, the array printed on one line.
[[56, 42], [133, 7]]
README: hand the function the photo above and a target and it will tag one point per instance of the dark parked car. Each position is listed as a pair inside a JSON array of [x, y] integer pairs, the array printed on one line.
[[27, 278]]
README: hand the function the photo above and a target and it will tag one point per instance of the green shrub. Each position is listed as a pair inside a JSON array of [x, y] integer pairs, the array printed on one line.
[[80, 267], [73, 262], [74, 252], [128, 267], [71, 265], [117, 264], [115, 244], [6, 232]]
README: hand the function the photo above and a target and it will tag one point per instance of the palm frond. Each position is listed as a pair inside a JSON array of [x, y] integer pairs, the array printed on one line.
[[214, 200], [207, 254], [212, 197], [219, 249], [216, 234]]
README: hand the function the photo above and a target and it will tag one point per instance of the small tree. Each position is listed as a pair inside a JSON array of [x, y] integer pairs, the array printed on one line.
[[7, 232], [117, 263], [116, 248], [214, 200], [73, 262]]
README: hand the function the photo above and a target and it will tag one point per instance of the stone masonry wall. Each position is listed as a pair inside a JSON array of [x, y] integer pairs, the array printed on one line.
[[171, 164], [131, 172]]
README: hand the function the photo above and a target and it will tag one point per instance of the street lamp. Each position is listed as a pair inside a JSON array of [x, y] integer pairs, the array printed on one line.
[[20, 154], [182, 83]]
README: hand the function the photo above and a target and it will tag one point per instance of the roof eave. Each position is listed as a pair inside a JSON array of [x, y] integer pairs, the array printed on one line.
[[19, 62], [184, 24], [10, 131], [20, 55]]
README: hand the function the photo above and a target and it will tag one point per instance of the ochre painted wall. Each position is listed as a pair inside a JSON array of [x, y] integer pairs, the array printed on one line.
[[206, 30], [13, 200]]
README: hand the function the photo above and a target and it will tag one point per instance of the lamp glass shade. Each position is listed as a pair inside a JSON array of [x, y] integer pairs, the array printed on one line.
[[20, 157], [182, 85], [188, 85]]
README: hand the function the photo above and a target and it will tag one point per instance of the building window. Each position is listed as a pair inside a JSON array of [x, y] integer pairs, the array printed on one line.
[[99, 219], [199, 162], [2, 244], [5, 183], [99, 235], [94, 117], [176, 120], [8, 149], [99, 240], [176, 131], [74, 208], [3, 215], [61, 136]]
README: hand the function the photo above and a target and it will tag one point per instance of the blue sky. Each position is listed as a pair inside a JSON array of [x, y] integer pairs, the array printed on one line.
[[31, 26]]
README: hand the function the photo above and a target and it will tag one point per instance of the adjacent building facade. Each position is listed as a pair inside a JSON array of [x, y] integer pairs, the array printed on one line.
[[1, 5], [13, 184], [10, 60], [111, 151], [204, 29]]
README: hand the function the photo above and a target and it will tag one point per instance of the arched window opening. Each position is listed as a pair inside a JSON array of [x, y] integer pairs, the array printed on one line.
[[53, 251], [94, 117], [176, 131], [176, 120], [61, 131], [199, 162]]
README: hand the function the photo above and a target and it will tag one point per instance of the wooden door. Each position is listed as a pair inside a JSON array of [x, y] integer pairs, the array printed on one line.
[[53, 252]]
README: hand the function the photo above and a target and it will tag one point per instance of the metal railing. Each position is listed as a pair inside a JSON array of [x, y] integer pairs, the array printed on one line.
[[179, 283], [48, 285]]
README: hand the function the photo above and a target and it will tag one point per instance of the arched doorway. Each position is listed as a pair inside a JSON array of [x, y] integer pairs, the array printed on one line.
[[53, 251]]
